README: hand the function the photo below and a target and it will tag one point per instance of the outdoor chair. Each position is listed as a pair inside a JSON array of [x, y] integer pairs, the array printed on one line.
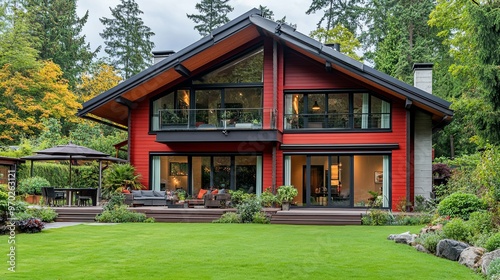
[[84, 198], [52, 197]]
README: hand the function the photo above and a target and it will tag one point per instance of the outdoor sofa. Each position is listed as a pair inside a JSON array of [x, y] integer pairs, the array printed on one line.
[[146, 198]]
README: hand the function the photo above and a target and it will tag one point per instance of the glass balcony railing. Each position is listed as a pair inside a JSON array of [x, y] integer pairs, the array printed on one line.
[[199, 119], [338, 121]]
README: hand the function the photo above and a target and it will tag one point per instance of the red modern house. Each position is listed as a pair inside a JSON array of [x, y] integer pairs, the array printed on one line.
[[256, 105]]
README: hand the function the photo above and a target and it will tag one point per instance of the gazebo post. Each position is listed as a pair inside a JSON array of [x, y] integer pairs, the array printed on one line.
[[31, 170], [100, 184]]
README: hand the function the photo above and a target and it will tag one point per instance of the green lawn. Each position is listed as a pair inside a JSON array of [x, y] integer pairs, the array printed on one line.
[[222, 251]]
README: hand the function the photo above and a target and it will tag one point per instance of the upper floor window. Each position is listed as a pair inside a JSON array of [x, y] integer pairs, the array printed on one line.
[[228, 97], [247, 69], [336, 111]]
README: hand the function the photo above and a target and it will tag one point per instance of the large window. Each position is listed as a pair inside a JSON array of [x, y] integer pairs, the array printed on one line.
[[228, 97], [192, 173], [336, 111], [338, 180]]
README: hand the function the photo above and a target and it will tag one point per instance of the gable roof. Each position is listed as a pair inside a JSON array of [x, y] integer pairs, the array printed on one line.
[[112, 104]]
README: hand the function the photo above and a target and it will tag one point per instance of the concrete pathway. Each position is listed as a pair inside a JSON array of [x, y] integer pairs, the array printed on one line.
[[68, 224]]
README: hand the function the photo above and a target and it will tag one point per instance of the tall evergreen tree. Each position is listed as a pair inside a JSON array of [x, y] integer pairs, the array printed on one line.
[[345, 12], [213, 13], [58, 29], [128, 40]]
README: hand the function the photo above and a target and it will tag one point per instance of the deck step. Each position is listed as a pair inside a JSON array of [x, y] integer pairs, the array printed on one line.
[[77, 214], [316, 218]]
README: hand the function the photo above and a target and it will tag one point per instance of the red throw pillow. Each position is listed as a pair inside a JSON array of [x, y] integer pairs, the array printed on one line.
[[216, 191], [201, 193], [126, 191]]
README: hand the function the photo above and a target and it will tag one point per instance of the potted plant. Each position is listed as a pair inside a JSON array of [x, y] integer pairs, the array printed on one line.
[[31, 188], [286, 193]]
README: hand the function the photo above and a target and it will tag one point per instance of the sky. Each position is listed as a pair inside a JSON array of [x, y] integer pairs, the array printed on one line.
[[174, 31]]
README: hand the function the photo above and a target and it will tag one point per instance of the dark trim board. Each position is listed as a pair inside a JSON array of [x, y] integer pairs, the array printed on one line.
[[220, 136]]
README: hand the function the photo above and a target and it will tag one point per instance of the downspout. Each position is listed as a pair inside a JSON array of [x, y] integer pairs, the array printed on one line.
[[408, 157], [275, 105]]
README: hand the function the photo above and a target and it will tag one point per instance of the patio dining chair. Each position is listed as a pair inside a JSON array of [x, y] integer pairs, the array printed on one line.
[[84, 198], [52, 197]]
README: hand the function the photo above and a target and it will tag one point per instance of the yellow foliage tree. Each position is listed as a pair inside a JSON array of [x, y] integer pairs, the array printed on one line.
[[29, 97], [349, 44], [100, 79]]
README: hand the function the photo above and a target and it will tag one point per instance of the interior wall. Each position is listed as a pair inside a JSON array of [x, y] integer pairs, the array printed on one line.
[[364, 177]]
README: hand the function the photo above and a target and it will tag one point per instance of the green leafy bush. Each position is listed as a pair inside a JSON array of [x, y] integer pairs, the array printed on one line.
[[457, 229], [32, 185], [120, 214], [493, 242], [494, 269], [479, 240], [248, 208], [460, 205], [261, 218], [82, 176], [47, 215], [376, 217], [268, 199], [115, 200], [229, 218], [239, 196], [430, 240], [411, 220], [481, 222]]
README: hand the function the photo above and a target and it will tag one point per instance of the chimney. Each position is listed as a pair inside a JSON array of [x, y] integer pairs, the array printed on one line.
[[161, 55], [422, 76], [335, 46]]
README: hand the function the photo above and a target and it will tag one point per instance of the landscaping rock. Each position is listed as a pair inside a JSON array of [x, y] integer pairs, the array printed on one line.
[[450, 249], [471, 257], [487, 258], [421, 248], [404, 238], [428, 229]]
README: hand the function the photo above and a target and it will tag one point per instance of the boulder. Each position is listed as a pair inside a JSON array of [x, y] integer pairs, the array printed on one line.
[[428, 229], [487, 258], [421, 248], [450, 249], [471, 257], [404, 238]]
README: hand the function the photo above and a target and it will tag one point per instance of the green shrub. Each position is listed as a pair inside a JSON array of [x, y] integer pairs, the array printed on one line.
[[261, 218], [229, 218], [424, 205], [120, 214], [481, 222], [32, 185], [115, 200], [412, 220], [493, 242], [82, 176], [460, 205], [248, 208], [376, 218], [239, 196], [268, 199], [494, 269], [430, 240], [457, 229], [479, 240], [47, 215]]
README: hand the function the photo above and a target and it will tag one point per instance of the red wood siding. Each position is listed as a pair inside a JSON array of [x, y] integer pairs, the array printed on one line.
[[303, 73]]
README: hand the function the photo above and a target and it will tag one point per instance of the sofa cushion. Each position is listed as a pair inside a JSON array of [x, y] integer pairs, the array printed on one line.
[[136, 193], [215, 191], [159, 193], [148, 193], [201, 193]]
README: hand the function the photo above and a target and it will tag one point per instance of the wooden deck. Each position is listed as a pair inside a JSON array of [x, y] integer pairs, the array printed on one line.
[[202, 215]]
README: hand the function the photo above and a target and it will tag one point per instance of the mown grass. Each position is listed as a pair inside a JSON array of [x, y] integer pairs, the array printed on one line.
[[222, 251]]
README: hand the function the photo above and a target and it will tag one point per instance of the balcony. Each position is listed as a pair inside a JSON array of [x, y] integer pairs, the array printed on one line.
[[337, 121], [216, 125]]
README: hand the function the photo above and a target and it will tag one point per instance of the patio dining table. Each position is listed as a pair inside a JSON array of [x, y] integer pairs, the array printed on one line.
[[71, 192]]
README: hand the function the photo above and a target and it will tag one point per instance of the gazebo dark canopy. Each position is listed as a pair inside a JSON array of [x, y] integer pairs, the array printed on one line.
[[73, 152]]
